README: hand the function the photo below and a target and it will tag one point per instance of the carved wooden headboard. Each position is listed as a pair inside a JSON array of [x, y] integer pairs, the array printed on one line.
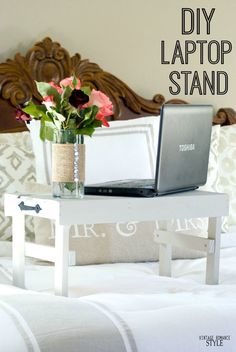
[[47, 61]]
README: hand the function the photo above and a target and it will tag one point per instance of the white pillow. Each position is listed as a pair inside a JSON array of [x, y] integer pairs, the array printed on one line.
[[127, 149], [227, 167], [42, 152], [213, 172], [112, 154]]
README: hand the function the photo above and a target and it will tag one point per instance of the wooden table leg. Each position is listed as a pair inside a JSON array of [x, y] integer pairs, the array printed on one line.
[[61, 259], [18, 250], [213, 259]]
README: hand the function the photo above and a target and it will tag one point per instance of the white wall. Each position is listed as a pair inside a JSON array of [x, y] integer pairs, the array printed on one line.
[[122, 36]]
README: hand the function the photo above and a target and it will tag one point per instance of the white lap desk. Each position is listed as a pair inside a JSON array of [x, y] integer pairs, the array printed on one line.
[[101, 209]]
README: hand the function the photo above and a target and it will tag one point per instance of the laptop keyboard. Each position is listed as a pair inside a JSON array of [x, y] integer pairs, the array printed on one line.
[[133, 183]]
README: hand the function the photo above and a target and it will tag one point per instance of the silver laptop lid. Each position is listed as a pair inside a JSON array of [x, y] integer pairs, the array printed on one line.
[[184, 144]]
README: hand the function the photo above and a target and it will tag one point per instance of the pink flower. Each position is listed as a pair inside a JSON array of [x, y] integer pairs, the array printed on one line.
[[102, 119], [22, 116], [58, 88], [48, 98], [104, 104], [48, 101], [69, 82]]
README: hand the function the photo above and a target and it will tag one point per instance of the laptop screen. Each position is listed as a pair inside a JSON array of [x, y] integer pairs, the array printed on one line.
[[184, 143]]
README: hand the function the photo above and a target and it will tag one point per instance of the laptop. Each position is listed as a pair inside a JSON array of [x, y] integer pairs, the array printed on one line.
[[182, 155]]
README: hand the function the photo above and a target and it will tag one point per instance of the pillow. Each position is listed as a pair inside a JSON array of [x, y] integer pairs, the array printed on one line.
[[5, 249], [213, 174], [212, 185], [17, 167], [42, 152], [109, 153], [110, 242], [227, 167], [107, 243], [113, 159], [133, 241]]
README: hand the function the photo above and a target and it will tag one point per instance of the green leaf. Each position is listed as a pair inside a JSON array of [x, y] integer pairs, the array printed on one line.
[[95, 110], [45, 89], [48, 131], [90, 113], [54, 120], [89, 116], [58, 116], [68, 109], [86, 90], [74, 81], [42, 134], [38, 111], [70, 186], [97, 123], [71, 124], [66, 93], [88, 131]]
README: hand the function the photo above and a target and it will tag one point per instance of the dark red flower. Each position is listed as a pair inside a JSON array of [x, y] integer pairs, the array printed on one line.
[[78, 98], [22, 116]]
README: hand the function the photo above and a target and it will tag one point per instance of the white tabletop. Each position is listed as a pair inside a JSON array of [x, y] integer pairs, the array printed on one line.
[[109, 209]]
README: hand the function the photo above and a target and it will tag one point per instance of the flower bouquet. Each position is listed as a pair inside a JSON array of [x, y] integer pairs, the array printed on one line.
[[68, 111], [67, 106]]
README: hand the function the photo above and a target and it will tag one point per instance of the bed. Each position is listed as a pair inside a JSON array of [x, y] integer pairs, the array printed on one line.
[[120, 304]]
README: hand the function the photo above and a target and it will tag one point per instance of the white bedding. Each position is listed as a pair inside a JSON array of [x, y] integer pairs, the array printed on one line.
[[151, 313]]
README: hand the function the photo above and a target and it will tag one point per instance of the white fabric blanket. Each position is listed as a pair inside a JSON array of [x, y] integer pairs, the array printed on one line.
[[148, 313], [40, 322]]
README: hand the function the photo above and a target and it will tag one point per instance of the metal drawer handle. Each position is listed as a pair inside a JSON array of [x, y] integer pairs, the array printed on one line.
[[22, 206]]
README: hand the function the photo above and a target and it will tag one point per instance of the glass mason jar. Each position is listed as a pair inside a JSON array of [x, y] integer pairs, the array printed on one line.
[[68, 164]]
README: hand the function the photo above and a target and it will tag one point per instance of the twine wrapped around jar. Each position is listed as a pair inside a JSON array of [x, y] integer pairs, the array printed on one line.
[[68, 162]]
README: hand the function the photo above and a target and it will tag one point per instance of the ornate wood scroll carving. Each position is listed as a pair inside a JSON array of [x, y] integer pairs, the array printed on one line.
[[225, 116], [16, 82], [47, 61]]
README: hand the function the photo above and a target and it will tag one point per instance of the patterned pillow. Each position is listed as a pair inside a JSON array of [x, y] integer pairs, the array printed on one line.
[[17, 167], [212, 185], [227, 167]]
